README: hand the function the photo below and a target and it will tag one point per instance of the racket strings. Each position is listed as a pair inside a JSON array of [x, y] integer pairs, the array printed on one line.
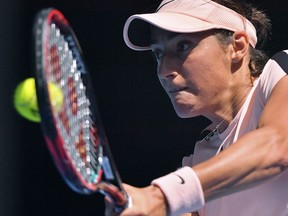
[[73, 121]]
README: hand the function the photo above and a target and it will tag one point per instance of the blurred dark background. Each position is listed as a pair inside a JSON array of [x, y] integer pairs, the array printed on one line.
[[146, 137]]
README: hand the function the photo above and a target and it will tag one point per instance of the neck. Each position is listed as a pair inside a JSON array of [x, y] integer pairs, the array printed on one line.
[[229, 108]]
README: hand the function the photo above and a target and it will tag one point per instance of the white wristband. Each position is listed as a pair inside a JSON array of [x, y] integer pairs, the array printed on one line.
[[182, 190]]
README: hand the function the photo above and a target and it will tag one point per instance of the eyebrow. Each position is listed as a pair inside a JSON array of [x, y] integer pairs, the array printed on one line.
[[169, 37]]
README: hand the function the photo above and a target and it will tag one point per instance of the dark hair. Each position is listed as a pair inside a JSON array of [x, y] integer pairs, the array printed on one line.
[[261, 22]]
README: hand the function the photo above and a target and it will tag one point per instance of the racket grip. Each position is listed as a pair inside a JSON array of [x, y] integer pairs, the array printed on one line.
[[120, 198], [128, 204]]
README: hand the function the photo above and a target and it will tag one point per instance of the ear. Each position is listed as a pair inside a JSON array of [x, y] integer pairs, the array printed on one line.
[[240, 46]]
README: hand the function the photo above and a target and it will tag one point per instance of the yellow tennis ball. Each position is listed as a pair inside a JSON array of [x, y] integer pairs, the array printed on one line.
[[56, 96], [25, 99]]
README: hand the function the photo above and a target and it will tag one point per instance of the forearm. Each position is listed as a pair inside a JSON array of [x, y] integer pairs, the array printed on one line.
[[257, 156]]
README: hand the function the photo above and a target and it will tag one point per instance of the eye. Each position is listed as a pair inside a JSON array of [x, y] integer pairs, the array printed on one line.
[[157, 53], [183, 46]]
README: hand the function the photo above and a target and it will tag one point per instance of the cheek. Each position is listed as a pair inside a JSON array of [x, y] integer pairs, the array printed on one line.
[[204, 75]]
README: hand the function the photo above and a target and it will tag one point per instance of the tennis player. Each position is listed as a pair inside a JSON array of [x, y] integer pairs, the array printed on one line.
[[210, 64]]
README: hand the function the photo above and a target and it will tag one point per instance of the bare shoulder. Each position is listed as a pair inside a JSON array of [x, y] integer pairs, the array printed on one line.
[[276, 110]]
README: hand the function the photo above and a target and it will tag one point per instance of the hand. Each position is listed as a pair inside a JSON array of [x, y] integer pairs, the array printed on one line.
[[145, 201]]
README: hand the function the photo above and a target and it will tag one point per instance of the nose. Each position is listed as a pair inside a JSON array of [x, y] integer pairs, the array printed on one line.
[[167, 68]]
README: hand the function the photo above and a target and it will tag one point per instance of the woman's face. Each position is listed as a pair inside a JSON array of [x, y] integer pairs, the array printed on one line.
[[194, 70]]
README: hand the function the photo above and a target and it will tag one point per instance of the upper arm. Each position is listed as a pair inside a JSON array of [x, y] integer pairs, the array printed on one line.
[[274, 123], [273, 120], [275, 112]]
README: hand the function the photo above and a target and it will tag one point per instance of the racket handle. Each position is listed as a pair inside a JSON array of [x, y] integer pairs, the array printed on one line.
[[120, 198], [119, 209]]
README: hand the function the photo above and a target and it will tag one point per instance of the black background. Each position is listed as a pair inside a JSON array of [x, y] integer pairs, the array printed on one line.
[[146, 137]]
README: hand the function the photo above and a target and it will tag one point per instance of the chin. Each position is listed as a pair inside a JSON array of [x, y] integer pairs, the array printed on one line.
[[185, 113], [185, 108], [184, 116]]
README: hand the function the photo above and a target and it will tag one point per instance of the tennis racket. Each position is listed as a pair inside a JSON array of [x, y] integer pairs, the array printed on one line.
[[74, 133]]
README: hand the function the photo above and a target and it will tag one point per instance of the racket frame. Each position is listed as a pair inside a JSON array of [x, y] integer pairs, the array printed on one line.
[[110, 183]]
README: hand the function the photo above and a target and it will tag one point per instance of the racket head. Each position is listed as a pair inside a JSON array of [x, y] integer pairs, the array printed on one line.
[[74, 133], [84, 161], [70, 131]]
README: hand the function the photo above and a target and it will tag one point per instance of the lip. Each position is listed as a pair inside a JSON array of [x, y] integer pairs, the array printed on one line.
[[176, 90]]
